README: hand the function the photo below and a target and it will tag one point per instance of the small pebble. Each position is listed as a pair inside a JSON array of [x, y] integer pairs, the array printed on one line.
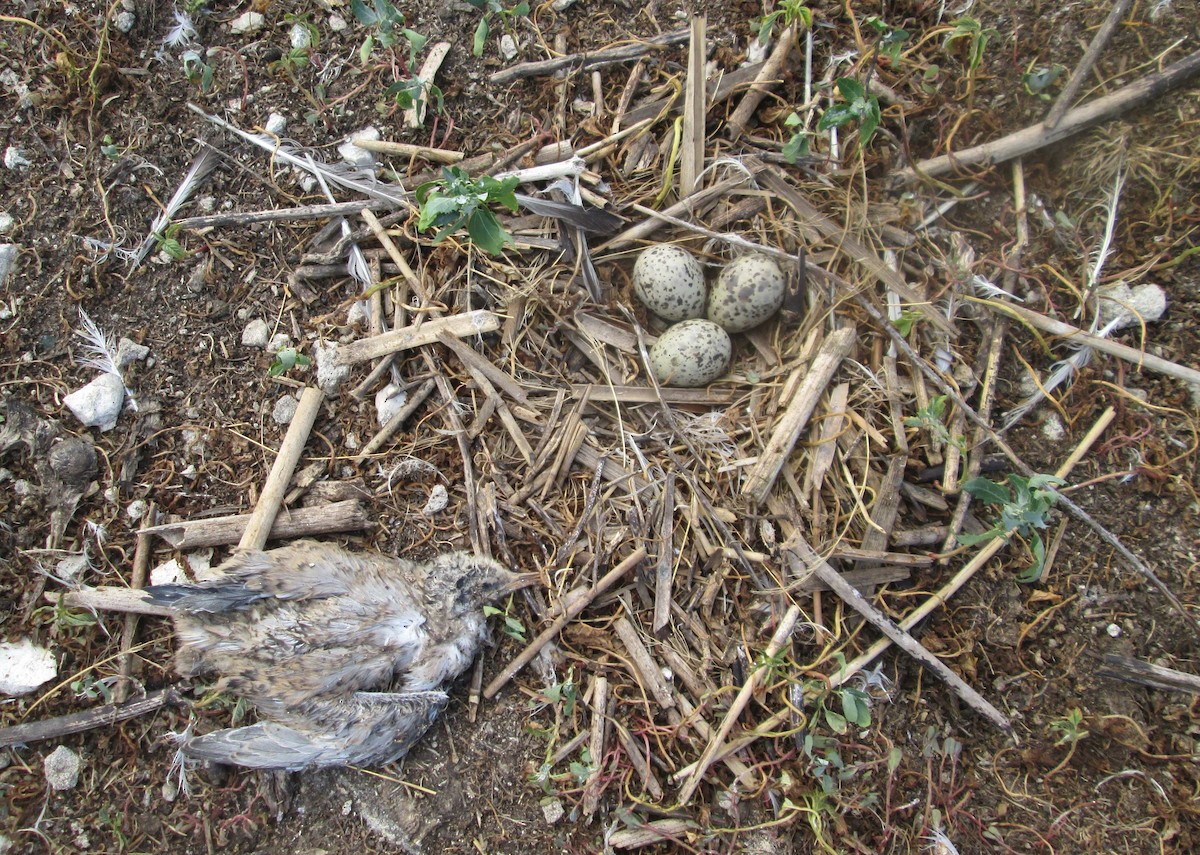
[[8, 261], [15, 159], [276, 124], [388, 401], [247, 22], [285, 410], [129, 352], [124, 22], [508, 46], [358, 157], [330, 374], [278, 342], [6, 222], [62, 768], [256, 334]]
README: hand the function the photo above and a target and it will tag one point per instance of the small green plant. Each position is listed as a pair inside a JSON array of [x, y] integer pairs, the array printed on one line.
[[907, 320], [891, 39], [857, 106], [790, 12], [797, 145], [109, 148], [94, 689], [456, 200], [1037, 80], [494, 9], [1025, 505], [168, 242], [1069, 730], [389, 30], [931, 418], [513, 627], [197, 71], [287, 359], [977, 37]]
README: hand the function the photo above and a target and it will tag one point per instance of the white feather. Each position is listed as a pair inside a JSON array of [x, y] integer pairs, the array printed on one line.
[[201, 166]]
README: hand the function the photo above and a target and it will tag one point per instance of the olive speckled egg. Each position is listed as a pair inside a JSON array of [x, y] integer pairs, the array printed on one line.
[[748, 291], [670, 282], [691, 353]]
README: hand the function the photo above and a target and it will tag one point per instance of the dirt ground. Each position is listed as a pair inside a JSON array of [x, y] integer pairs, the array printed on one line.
[[101, 118]]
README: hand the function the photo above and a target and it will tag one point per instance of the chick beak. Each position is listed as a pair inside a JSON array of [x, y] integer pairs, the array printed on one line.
[[521, 580]]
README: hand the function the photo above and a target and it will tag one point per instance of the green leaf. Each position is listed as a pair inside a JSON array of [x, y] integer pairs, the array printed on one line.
[[988, 492], [795, 148], [486, 232], [851, 89], [837, 722], [1034, 573], [481, 34], [434, 209], [835, 117], [894, 758], [967, 539], [365, 16]]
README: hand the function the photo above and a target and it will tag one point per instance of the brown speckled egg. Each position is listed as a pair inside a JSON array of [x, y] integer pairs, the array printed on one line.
[[748, 291], [670, 282], [691, 353]]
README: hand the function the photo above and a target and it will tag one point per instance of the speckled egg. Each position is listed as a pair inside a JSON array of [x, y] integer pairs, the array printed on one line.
[[691, 353], [670, 282], [748, 291]]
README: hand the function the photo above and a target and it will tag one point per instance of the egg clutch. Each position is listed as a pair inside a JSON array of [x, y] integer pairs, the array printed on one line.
[[695, 350]]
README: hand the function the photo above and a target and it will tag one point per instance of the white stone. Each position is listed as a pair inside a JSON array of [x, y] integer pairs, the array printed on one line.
[[284, 410], [72, 565], [562, 5], [438, 499], [15, 159], [1052, 428], [168, 573], [337, 23], [6, 222], [300, 37], [278, 342], [24, 666], [62, 768], [136, 509], [124, 21], [248, 22], [276, 124], [552, 811], [129, 352], [8, 261], [98, 404], [508, 46], [358, 157], [256, 334], [388, 401], [330, 374], [1130, 307]]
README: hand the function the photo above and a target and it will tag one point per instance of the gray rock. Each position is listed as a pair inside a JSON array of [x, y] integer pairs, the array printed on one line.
[[330, 375], [129, 352], [8, 261], [285, 410], [62, 768], [256, 334]]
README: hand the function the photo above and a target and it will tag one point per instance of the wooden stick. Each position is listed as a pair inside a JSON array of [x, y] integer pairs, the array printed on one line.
[[414, 116], [588, 61], [262, 518], [109, 598], [799, 551], [1067, 95], [695, 108], [790, 425], [1038, 136], [276, 215], [781, 637], [576, 606], [648, 670], [467, 323], [1136, 671], [762, 83], [290, 523], [64, 725], [1104, 345], [594, 785], [437, 155], [137, 581], [665, 566], [415, 400]]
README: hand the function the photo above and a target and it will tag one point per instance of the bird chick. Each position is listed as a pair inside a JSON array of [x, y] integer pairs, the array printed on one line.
[[345, 654]]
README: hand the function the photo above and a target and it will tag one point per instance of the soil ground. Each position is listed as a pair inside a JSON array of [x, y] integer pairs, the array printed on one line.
[[101, 117]]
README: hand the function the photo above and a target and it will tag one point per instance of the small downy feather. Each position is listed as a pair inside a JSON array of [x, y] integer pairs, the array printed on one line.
[[101, 352]]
